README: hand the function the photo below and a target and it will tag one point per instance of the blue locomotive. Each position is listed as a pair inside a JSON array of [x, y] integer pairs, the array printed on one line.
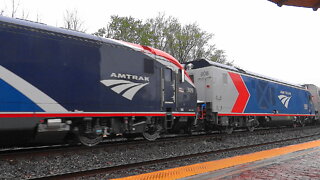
[[233, 98], [60, 80]]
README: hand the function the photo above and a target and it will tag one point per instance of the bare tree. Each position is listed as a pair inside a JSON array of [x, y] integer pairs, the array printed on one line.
[[38, 18], [24, 14], [73, 22], [15, 7]]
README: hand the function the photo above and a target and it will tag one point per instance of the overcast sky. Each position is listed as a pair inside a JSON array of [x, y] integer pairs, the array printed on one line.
[[257, 35]]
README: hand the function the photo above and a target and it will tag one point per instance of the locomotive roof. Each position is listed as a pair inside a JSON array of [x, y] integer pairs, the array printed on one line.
[[200, 63], [314, 4], [81, 35], [42, 26]]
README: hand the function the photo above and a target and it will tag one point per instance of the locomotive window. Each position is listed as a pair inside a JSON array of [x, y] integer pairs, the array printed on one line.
[[148, 66], [181, 75], [167, 75]]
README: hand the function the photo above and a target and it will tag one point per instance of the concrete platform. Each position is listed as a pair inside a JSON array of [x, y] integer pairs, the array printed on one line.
[[303, 164], [300, 161]]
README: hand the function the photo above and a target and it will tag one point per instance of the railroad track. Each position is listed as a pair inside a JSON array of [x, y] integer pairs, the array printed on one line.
[[16, 152], [124, 167], [56, 148]]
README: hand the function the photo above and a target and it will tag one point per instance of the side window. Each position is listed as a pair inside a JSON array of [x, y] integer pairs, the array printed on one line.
[[167, 75], [181, 76], [148, 66]]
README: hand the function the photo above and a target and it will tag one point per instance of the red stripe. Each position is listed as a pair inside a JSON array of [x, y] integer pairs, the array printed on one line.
[[79, 115], [265, 114], [162, 54], [181, 114], [43, 115], [243, 96], [158, 53], [16, 115]]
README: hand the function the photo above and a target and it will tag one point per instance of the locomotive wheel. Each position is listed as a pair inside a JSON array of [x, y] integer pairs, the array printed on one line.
[[89, 139], [152, 134]]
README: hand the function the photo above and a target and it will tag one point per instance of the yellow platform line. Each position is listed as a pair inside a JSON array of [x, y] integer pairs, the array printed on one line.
[[262, 164], [190, 170]]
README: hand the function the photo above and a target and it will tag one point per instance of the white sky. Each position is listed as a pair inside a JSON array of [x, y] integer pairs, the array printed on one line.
[[258, 35]]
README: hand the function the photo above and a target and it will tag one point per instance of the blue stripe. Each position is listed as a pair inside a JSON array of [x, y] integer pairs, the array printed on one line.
[[11, 100]]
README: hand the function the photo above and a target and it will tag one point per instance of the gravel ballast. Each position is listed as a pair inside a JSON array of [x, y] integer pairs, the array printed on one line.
[[40, 166]]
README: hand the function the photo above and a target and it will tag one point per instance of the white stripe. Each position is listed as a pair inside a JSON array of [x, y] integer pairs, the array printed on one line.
[[287, 102], [118, 89], [126, 44], [183, 113], [34, 94], [111, 82], [131, 92]]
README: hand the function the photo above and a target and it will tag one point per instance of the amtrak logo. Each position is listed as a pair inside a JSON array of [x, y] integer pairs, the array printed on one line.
[[285, 100], [129, 77], [126, 88]]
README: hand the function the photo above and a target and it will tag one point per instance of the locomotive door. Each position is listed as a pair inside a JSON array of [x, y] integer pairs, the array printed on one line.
[[168, 86]]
